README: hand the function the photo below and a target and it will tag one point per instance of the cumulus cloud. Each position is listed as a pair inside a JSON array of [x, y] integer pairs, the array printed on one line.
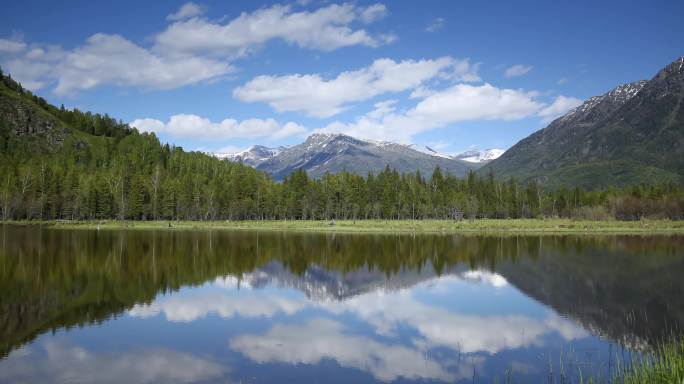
[[436, 25], [186, 11], [33, 66], [560, 106], [111, 59], [326, 29], [373, 13], [319, 97], [517, 70], [108, 59], [188, 125], [458, 103], [190, 50]]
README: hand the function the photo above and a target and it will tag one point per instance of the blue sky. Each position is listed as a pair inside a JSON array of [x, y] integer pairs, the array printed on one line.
[[221, 76]]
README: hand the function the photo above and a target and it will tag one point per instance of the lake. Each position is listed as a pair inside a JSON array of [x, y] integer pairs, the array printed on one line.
[[265, 307]]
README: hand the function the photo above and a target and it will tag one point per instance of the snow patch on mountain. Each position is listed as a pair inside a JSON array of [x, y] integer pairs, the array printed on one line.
[[252, 156], [480, 156], [433, 152], [619, 95]]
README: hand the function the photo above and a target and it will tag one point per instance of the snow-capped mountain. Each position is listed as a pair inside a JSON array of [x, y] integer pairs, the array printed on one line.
[[474, 156], [330, 153], [253, 156], [479, 156]]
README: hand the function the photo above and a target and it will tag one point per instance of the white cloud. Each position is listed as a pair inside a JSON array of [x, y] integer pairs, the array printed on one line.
[[517, 70], [319, 339], [111, 59], [422, 92], [563, 81], [11, 46], [190, 50], [436, 25], [186, 11], [108, 59], [464, 102], [316, 96], [187, 125], [373, 13], [326, 29], [33, 67], [458, 103], [228, 149], [560, 106], [61, 364]]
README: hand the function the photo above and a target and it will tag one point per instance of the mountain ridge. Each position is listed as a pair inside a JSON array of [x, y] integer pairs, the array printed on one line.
[[631, 134], [321, 153]]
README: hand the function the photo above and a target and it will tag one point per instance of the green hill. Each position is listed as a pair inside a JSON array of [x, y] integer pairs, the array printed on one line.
[[59, 163]]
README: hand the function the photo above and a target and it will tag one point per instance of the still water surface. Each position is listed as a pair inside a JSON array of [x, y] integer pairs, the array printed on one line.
[[224, 307]]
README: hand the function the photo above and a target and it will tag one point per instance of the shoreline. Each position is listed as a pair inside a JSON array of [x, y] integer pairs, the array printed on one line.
[[478, 226]]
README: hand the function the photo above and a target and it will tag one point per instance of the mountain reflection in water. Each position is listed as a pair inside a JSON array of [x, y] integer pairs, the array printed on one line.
[[221, 306]]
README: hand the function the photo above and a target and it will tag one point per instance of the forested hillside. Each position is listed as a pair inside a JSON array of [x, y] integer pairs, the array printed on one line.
[[67, 164], [71, 165]]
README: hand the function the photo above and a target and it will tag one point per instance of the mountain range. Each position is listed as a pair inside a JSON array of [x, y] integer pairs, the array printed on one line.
[[330, 153], [631, 134]]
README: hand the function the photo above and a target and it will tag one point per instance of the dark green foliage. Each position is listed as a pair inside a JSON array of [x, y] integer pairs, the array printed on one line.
[[103, 169]]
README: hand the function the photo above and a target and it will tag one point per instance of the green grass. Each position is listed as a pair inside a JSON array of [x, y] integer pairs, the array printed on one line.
[[396, 226], [666, 366]]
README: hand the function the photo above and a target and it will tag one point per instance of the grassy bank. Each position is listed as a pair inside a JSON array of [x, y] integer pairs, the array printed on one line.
[[396, 226], [665, 366]]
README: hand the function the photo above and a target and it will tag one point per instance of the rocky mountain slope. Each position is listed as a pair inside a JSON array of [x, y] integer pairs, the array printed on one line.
[[632, 134], [322, 153]]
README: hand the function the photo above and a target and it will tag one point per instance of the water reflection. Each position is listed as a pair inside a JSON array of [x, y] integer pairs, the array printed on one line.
[[59, 362], [272, 307]]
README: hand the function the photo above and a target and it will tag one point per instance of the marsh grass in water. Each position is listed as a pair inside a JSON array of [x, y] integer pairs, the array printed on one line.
[[665, 366]]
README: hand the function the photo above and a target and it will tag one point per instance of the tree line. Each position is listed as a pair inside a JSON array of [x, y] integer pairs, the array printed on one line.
[[105, 169], [135, 177]]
